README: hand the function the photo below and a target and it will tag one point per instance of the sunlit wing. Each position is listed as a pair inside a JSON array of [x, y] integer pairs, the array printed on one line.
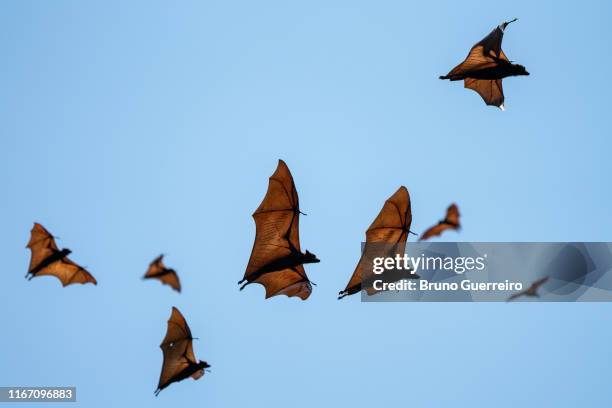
[[482, 55], [68, 272], [434, 231], [452, 215], [276, 221], [490, 90], [177, 347], [42, 245], [386, 236], [289, 282]]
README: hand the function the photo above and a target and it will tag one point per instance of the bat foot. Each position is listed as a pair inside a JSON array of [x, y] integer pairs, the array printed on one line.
[[342, 295], [243, 286]]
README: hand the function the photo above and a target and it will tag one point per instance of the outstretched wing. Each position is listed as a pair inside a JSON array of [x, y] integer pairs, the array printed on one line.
[[42, 245], [68, 272], [452, 215], [536, 285], [490, 90], [434, 231], [386, 236], [157, 270], [515, 296], [277, 237], [289, 282], [484, 54], [177, 347]]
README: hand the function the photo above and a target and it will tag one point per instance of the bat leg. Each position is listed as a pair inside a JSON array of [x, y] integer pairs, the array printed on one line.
[[243, 286], [239, 282], [157, 391], [342, 294]]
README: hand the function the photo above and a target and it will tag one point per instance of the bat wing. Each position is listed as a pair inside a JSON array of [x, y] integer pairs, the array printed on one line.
[[157, 270], [277, 236], [434, 231], [289, 282], [177, 348], [387, 234], [452, 215], [42, 245], [515, 296], [68, 272], [490, 90], [539, 282], [484, 54]]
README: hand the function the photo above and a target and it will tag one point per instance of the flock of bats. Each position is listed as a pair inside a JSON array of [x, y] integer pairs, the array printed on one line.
[[277, 261]]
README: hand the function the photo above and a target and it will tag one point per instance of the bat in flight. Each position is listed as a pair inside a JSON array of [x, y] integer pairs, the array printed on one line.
[[531, 291], [385, 237], [179, 360], [276, 260], [167, 276], [486, 66], [48, 259], [451, 221]]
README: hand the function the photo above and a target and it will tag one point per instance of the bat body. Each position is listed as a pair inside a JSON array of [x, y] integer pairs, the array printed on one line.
[[179, 360], [485, 67], [531, 291], [276, 260], [48, 259], [167, 276], [386, 236], [450, 221]]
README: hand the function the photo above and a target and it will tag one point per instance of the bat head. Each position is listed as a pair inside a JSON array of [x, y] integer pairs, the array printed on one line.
[[202, 366], [519, 69], [309, 257]]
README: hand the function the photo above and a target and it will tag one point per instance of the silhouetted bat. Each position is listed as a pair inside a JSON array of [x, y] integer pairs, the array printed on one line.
[[179, 361], [48, 259], [485, 67], [531, 290], [276, 259], [387, 237], [451, 221], [167, 276]]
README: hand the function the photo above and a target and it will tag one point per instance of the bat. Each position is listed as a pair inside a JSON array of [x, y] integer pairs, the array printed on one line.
[[451, 221], [531, 291], [486, 66], [276, 260], [48, 259], [386, 236], [179, 360], [167, 276]]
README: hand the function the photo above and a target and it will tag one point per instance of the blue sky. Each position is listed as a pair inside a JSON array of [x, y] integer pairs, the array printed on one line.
[[134, 129]]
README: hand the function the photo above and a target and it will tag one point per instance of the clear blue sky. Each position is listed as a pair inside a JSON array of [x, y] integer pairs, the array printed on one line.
[[134, 129]]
